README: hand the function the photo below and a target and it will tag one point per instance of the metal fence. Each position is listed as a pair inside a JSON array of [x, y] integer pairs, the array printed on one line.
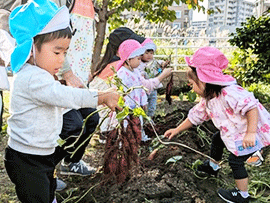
[[179, 47]]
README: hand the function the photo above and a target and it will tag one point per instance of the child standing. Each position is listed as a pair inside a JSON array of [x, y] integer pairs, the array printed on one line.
[[243, 122], [130, 53], [37, 102], [151, 68]]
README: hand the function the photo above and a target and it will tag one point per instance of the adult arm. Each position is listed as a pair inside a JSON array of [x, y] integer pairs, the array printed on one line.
[[67, 74]]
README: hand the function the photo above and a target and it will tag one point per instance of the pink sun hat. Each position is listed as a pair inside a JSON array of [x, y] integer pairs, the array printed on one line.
[[129, 49], [209, 63], [149, 44]]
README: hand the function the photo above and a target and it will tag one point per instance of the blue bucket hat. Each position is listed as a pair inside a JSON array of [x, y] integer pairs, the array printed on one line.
[[31, 19]]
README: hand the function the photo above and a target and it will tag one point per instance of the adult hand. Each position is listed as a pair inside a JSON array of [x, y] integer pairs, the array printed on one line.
[[72, 80], [249, 140], [110, 98], [171, 133]]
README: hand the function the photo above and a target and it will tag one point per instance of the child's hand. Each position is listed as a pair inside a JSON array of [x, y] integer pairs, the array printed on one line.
[[249, 140], [110, 98], [165, 73], [170, 133], [165, 64]]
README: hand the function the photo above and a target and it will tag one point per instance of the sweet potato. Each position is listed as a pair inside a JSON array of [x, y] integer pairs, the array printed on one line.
[[153, 154]]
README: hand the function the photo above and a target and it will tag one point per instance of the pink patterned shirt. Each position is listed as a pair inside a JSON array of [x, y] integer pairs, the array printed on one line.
[[132, 79], [228, 113]]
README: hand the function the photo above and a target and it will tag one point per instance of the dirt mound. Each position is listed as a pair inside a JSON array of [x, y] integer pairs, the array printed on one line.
[[157, 180]]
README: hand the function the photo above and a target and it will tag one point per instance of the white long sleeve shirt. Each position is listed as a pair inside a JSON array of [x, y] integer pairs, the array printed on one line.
[[37, 102]]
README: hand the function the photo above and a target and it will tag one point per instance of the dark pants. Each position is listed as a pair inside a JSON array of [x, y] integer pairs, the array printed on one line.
[[237, 163], [2, 109], [72, 126], [33, 175]]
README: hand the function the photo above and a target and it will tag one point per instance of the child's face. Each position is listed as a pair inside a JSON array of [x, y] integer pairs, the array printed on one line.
[[52, 55], [148, 56], [135, 62], [197, 88]]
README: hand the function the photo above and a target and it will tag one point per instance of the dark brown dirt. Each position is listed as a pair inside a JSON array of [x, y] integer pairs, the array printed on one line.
[[154, 181]]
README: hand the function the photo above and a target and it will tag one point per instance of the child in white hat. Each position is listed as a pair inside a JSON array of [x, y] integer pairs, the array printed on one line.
[[151, 68], [42, 34]]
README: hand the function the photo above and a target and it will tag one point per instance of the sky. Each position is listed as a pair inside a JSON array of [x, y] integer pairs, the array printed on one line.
[[200, 16]]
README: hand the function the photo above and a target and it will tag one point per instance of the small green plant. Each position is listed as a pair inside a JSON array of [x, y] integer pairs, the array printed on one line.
[[203, 136], [181, 96], [192, 96], [173, 159]]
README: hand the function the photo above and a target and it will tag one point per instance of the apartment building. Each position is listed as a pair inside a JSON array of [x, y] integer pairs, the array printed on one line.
[[183, 16], [197, 27], [261, 6], [229, 13]]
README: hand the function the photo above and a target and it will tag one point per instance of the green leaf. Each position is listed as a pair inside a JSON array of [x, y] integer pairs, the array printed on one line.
[[122, 114], [173, 159], [196, 164], [61, 142], [191, 96], [139, 112], [181, 96], [121, 102]]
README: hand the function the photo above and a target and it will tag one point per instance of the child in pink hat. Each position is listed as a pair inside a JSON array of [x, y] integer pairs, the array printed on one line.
[[151, 68], [130, 52], [243, 122]]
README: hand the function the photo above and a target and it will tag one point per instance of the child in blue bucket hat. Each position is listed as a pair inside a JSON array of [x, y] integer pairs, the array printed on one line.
[[38, 101]]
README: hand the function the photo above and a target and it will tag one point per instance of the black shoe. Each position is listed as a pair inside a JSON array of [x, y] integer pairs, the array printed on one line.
[[80, 168], [232, 196], [206, 169]]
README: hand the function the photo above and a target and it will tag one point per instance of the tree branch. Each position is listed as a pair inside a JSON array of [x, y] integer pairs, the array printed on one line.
[[111, 12]]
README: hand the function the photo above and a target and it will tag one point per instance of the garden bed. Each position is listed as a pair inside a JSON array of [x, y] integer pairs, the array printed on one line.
[[157, 180]]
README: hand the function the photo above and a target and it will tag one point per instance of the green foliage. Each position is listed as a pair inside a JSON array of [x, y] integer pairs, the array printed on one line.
[[258, 186], [122, 114], [261, 91], [203, 136], [191, 96], [253, 40], [181, 96], [153, 10]]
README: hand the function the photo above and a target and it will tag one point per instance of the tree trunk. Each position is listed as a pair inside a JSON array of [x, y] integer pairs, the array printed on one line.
[[99, 40], [100, 30]]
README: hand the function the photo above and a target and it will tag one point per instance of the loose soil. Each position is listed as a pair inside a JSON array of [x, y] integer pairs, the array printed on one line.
[[152, 181]]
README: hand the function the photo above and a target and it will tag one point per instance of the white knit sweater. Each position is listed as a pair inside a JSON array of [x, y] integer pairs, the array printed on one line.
[[37, 102]]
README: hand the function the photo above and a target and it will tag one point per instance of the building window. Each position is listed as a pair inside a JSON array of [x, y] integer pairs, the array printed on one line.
[[178, 14], [186, 12], [177, 25]]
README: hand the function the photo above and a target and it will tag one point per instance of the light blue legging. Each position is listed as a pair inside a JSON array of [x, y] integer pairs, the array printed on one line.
[[152, 103]]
